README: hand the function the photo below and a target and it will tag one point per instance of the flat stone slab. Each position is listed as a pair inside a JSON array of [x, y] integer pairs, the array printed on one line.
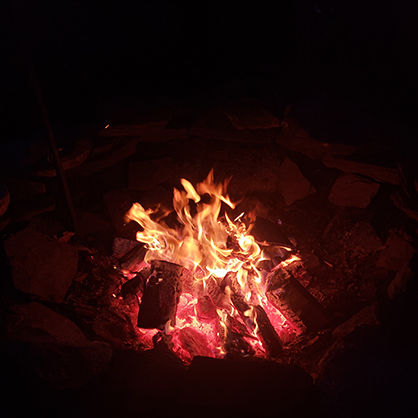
[[47, 346], [215, 124], [144, 175], [378, 173], [36, 319], [41, 265], [4, 199], [222, 384], [251, 113], [396, 254], [293, 185], [353, 190]]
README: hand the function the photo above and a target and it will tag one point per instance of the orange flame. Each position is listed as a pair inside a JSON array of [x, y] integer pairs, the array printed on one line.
[[209, 246]]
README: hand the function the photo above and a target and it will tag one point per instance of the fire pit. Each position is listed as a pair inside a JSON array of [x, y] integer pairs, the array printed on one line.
[[210, 288], [166, 294]]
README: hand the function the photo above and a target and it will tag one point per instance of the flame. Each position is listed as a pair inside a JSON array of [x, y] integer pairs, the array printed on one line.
[[210, 246]]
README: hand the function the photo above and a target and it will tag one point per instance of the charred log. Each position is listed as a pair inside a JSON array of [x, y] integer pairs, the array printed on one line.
[[270, 232], [206, 309], [136, 285], [161, 295], [234, 342], [268, 335], [287, 294], [216, 293], [133, 258]]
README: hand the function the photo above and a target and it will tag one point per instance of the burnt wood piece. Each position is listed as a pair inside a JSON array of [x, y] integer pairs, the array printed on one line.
[[161, 295], [270, 232], [216, 293], [206, 309], [136, 285], [287, 294], [268, 335], [234, 343], [133, 258]]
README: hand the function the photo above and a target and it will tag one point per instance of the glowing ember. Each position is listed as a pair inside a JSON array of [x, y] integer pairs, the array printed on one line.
[[223, 308]]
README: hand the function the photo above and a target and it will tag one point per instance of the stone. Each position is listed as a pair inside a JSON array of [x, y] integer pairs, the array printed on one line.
[[118, 203], [352, 190], [53, 348], [4, 199], [293, 185], [214, 124], [366, 374], [59, 365], [406, 205], [362, 240], [396, 254], [38, 320], [234, 135], [41, 265], [26, 209], [142, 133], [136, 383], [321, 128], [78, 154], [90, 223], [312, 148], [4, 221], [304, 122], [131, 119], [366, 316], [400, 283], [22, 153], [125, 150], [24, 189], [144, 175], [250, 113], [379, 173], [316, 115], [251, 171], [222, 385], [110, 332]]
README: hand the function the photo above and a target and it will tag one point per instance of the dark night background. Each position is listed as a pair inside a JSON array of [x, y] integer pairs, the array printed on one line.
[[89, 53], [91, 56]]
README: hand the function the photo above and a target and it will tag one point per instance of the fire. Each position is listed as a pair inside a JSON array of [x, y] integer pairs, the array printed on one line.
[[222, 310]]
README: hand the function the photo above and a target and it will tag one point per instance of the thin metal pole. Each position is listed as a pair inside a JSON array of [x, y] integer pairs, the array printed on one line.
[[17, 34], [52, 144]]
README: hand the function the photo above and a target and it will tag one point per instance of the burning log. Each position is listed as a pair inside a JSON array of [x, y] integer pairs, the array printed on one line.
[[274, 243], [233, 337], [161, 295], [136, 285], [295, 302], [267, 333], [216, 294], [205, 309], [132, 260], [264, 230], [265, 330]]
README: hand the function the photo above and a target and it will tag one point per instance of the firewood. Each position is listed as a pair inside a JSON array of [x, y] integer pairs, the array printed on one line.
[[136, 285], [161, 295], [264, 230], [288, 295], [271, 341], [133, 258], [234, 342], [268, 335]]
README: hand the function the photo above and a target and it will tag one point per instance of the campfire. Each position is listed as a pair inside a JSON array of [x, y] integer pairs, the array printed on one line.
[[207, 286]]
